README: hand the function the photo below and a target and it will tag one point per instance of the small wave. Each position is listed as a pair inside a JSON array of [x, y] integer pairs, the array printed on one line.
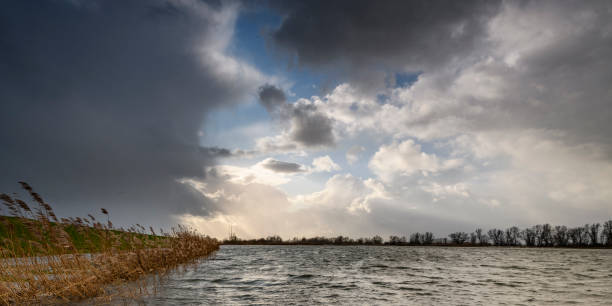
[[253, 282], [431, 282], [219, 280], [245, 297], [411, 288], [379, 266], [378, 283], [584, 275], [342, 287], [301, 276], [192, 280], [435, 277], [505, 284]]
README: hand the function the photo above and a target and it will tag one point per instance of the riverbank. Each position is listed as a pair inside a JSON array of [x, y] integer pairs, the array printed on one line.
[[45, 260], [60, 275]]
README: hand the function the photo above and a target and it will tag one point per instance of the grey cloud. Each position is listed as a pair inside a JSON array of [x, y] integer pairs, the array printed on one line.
[[566, 84], [306, 125], [369, 35], [216, 152], [270, 144], [102, 102], [558, 83], [282, 167], [311, 128], [271, 97], [563, 55]]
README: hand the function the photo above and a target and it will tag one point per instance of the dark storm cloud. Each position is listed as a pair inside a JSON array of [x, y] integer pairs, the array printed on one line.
[[101, 102], [306, 125], [281, 166], [271, 97], [213, 152], [362, 34]]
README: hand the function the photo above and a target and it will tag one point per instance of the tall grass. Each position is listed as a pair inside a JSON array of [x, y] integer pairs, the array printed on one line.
[[44, 259]]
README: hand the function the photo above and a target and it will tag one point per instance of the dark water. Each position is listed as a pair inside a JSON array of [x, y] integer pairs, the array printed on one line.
[[393, 275]]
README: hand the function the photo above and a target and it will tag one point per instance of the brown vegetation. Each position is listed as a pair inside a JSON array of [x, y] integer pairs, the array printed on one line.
[[46, 260]]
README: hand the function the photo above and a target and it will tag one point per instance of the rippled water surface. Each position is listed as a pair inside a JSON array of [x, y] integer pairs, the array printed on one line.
[[393, 275]]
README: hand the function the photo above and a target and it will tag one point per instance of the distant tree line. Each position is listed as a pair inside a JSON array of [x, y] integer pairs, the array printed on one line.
[[541, 235], [319, 240]]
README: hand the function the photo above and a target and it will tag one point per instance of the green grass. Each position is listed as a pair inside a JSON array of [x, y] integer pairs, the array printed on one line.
[[27, 236]]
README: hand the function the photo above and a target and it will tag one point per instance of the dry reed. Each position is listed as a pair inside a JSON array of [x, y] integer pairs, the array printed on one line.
[[46, 260]]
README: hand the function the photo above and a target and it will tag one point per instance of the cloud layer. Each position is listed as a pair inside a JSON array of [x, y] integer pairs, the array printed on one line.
[[102, 101], [505, 123], [440, 116]]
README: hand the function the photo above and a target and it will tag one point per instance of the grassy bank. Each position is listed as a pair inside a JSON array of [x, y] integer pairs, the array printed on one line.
[[46, 260], [21, 237]]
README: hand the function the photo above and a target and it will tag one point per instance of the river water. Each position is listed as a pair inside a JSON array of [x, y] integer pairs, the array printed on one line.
[[392, 275]]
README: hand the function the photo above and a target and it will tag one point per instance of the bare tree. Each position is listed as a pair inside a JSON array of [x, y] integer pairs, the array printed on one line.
[[377, 240], [473, 238], [479, 235], [396, 240], [537, 230], [496, 236], [274, 238], [416, 238], [428, 238], [529, 236], [578, 236], [561, 236], [484, 240], [606, 234], [546, 235], [512, 236], [586, 228], [458, 237], [593, 232]]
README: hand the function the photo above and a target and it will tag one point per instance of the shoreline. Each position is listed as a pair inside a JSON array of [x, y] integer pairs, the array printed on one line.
[[428, 245]]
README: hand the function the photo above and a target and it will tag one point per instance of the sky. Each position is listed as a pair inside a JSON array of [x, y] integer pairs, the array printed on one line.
[[304, 118]]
